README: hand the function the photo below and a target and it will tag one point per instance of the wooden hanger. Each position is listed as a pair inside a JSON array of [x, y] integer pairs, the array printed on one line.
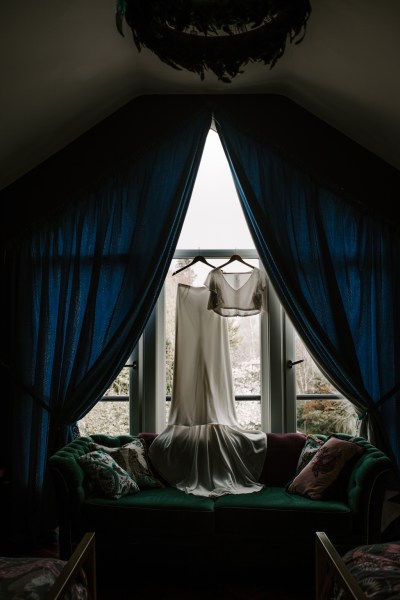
[[238, 258], [196, 259]]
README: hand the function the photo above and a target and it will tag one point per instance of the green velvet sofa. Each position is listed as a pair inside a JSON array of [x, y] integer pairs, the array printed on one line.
[[270, 524]]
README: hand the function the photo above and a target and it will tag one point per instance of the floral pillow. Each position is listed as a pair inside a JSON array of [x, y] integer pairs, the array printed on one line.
[[108, 476], [312, 444], [132, 457], [324, 468]]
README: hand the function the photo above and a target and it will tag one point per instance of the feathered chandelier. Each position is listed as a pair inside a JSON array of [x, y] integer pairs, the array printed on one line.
[[217, 35]]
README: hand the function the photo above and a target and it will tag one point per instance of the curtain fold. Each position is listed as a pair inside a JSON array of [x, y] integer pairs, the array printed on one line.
[[84, 286], [335, 270]]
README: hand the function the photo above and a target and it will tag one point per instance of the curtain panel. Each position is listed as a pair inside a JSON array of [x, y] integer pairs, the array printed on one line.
[[334, 267], [85, 283]]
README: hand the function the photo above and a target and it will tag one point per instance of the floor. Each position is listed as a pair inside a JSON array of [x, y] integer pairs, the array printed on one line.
[[176, 583], [132, 578], [197, 591]]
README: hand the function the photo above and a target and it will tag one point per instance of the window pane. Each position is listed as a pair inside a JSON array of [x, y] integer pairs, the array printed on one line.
[[111, 418], [120, 385], [320, 415], [309, 379], [215, 217], [249, 414], [326, 416]]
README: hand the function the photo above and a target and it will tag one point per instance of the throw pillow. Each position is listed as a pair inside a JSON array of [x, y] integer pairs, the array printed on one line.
[[132, 457], [324, 468], [112, 480], [311, 445]]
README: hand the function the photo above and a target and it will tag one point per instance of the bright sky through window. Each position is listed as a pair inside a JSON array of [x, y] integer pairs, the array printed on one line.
[[215, 217]]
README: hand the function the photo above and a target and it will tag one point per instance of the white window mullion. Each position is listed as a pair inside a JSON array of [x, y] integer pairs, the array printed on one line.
[[136, 393], [152, 391], [290, 375], [276, 358]]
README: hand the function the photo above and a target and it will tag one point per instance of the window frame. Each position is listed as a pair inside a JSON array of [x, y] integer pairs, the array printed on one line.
[[147, 380]]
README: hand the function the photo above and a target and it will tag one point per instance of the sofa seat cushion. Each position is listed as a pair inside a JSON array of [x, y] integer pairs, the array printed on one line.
[[277, 513], [150, 512]]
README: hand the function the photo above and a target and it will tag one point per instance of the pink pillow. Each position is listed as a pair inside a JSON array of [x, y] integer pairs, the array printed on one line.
[[324, 468]]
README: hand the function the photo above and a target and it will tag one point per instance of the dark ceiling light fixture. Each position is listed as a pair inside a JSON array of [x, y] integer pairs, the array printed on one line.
[[218, 35]]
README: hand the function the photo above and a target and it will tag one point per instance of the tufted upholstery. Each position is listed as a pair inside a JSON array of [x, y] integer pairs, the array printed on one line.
[[168, 515]]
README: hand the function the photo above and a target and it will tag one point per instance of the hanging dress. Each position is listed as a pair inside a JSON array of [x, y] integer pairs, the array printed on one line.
[[237, 294], [204, 450]]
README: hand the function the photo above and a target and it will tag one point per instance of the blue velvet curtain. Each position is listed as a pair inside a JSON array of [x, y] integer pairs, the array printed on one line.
[[84, 285], [334, 267]]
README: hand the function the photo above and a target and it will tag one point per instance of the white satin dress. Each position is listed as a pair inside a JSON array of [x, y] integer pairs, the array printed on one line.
[[203, 450]]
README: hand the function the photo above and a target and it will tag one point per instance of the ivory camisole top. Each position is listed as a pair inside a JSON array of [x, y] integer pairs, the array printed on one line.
[[237, 294]]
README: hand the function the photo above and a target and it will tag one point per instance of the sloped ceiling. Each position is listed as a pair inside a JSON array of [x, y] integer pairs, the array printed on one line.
[[64, 67]]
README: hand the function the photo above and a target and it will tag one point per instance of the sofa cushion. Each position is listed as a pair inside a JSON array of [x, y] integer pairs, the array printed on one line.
[[132, 457], [150, 512], [279, 514], [325, 468], [107, 475], [283, 451], [312, 444]]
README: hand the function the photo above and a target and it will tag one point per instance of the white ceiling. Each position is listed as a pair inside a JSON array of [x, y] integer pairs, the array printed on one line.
[[64, 67]]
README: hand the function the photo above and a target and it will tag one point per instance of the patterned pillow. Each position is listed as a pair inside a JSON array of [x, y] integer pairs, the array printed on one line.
[[132, 457], [311, 445], [324, 468], [112, 480]]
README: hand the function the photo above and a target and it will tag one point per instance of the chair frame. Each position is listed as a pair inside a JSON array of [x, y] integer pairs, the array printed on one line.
[[331, 571], [84, 556]]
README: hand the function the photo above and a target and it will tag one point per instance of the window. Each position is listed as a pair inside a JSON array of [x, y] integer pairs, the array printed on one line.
[[269, 394]]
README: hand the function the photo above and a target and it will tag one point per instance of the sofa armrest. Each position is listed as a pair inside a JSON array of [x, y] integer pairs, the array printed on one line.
[[71, 485], [65, 464], [69, 482], [366, 489], [371, 476]]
